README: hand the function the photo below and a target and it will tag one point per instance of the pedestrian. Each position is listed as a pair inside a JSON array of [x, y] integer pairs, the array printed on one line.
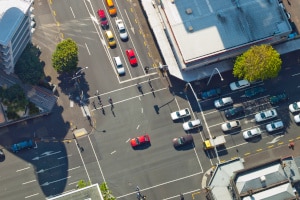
[[110, 100], [149, 82]]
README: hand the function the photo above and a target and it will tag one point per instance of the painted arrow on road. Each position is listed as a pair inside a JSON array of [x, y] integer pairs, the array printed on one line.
[[276, 139], [49, 153], [43, 170], [48, 183]]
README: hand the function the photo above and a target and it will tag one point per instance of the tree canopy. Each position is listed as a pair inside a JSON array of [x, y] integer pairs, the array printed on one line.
[[29, 68], [65, 57], [258, 63]]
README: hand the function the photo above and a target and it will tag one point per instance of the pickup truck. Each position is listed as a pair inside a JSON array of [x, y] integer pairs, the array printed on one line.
[[214, 142], [27, 144]]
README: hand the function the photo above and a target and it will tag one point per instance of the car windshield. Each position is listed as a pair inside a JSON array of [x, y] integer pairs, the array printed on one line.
[[181, 140], [190, 124], [103, 18], [249, 133], [111, 39], [295, 106], [221, 101], [178, 114], [119, 66], [228, 126], [132, 57], [122, 30], [137, 141], [273, 126], [263, 115], [237, 84]]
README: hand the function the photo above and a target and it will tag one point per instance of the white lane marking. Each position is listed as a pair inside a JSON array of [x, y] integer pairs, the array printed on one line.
[[190, 192], [142, 110], [82, 161], [64, 157], [31, 195], [22, 169], [161, 184], [28, 182], [73, 183], [71, 103], [131, 27], [48, 183], [137, 127], [113, 152], [72, 12], [296, 74], [128, 140], [74, 168], [87, 48]]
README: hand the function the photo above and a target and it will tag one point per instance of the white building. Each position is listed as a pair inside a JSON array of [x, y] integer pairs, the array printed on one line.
[[195, 34], [16, 28]]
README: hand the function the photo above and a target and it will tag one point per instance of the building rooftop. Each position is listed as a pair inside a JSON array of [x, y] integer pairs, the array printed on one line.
[[91, 192], [204, 27], [11, 13]]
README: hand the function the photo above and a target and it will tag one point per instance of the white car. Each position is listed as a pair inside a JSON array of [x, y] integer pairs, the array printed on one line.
[[122, 30], [180, 114], [239, 85], [219, 103], [294, 107], [297, 118], [273, 126], [251, 133], [191, 124], [265, 115], [119, 66], [228, 126]]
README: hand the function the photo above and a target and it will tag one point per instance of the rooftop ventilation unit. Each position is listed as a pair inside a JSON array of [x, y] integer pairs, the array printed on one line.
[[189, 11], [191, 29]]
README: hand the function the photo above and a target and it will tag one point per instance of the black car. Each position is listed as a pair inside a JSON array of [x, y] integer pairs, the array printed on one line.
[[254, 91], [234, 112], [279, 98], [210, 93]]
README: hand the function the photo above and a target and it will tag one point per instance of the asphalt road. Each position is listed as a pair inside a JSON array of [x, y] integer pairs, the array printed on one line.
[[160, 171]]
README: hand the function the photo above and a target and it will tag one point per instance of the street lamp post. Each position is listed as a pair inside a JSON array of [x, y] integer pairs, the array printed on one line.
[[199, 106], [213, 74]]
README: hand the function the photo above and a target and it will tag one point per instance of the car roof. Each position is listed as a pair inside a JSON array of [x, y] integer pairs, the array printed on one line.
[[109, 33], [101, 13]]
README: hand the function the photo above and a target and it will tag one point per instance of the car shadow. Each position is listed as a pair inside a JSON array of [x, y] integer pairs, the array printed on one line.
[[195, 130], [182, 120], [233, 132], [254, 139], [185, 147], [142, 147]]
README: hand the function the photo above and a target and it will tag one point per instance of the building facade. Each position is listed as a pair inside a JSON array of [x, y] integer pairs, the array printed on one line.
[[17, 27]]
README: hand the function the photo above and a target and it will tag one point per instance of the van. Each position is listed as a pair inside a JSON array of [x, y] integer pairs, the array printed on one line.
[[118, 65], [110, 38], [111, 7]]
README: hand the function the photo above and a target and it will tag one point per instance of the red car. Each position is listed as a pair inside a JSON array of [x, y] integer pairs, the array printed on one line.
[[103, 19], [131, 56], [140, 140]]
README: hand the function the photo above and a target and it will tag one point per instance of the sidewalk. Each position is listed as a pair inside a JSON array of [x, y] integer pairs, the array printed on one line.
[[46, 36]]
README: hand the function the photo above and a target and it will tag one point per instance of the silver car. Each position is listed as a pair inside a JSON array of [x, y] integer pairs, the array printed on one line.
[[191, 124], [273, 126], [239, 85], [180, 114], [265, 115], [228, 126], [226, 101], [121, 28], [251, 133]]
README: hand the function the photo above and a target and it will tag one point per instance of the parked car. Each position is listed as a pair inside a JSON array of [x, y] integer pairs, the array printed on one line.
[[233, 112], [210, 93], [121, 28], [294, 107], [254, 91], [131, 57], [239, 85], [265, 115], [180, 114], [103, 19], [183, 140], [229, 126], [297, 118], [273, 126], [140, 140], [226, 101], [27, 144], [279, 98], [191, 124], [251, 133]]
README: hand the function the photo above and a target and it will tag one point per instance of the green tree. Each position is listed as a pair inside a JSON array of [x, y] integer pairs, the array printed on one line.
[[107, 194], [258, 63], [29, 68], [82, 184], [65, 57]]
